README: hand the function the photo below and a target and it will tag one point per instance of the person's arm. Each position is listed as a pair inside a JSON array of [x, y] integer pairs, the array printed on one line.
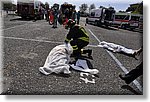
[[68, 37]]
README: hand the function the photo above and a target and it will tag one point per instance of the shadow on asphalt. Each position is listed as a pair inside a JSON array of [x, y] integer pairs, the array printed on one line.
[[59, 75], [105, 27], [108, 28], [130, 89], [21, 19]]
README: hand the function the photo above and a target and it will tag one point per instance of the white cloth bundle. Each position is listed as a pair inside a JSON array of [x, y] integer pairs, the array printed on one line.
[[57, 60], [116, 48]]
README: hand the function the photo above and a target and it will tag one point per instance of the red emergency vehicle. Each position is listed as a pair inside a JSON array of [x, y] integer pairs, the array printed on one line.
[[30, 9], [127, 20]]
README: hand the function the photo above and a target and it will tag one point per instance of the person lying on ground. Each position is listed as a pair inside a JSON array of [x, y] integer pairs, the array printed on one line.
[[120, 49]]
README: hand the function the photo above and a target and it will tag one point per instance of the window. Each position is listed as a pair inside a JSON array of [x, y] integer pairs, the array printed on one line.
[[135, 18], [122, 17], [92, 14]]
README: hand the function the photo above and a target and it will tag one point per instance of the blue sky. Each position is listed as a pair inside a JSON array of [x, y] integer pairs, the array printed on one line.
[[117, 4]]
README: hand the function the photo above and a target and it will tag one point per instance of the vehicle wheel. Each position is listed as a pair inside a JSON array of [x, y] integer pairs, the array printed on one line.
[[87, 21], [131, 29], [95, 23], [123, 26]]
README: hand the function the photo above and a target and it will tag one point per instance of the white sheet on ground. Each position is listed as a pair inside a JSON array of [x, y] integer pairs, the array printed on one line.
[[116, 48], [57, 60], [81, 65]]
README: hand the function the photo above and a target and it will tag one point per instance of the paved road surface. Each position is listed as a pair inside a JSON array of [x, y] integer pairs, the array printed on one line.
[[26, 45]]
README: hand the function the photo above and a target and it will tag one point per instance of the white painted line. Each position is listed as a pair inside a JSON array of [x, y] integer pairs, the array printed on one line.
[[94, 36], [125, 70], [21, 25], [36, 40], [137, 84], [14, 27]]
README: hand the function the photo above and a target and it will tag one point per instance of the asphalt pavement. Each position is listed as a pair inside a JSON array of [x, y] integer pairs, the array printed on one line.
[[26, 44]]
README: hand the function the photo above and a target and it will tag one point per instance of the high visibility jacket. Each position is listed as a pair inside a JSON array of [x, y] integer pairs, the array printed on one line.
[[77, 32]]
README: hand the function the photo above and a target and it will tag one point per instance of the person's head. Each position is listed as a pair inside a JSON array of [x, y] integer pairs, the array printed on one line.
[[70, 23]]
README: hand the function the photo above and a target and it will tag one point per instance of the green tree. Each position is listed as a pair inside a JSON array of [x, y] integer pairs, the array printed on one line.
[[7, 4], [135, 8]]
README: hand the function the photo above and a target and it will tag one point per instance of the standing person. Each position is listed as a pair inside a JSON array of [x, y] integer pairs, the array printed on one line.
[[78, 38], [51, 17], [55, 14], [67, 13], [46, 15], [74, 15], [78, 17], [35, 15], [70, 13]]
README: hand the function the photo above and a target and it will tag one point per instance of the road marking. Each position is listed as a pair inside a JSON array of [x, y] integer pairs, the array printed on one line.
[[14, 27], [86, 80], [19, 26], [94, 36], [37, 40], [137, 84]]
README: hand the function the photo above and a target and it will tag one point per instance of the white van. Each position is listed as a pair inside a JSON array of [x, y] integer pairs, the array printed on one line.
[[127, 20], [101, 16]]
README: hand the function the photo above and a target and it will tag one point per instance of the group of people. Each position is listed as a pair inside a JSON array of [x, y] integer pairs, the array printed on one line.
[[54, 16], [51, 16], [72, 14]]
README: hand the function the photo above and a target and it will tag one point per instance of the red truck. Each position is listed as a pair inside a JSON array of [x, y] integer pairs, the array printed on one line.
[[30, 9]]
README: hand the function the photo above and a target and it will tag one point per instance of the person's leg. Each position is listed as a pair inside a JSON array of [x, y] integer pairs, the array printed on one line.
[[133, 74], [81, 44], [77, 21], [137, 52], [76, 50]]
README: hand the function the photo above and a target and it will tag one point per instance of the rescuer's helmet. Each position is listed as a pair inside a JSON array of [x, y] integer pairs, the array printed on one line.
[[70, 23]]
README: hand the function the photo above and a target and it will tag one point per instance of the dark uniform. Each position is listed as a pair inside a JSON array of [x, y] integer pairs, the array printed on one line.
[[133, 74], [78, 38]]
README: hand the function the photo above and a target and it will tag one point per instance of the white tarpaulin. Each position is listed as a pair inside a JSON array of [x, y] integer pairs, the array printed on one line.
[[116, 48], [81, 65], [57, 60]]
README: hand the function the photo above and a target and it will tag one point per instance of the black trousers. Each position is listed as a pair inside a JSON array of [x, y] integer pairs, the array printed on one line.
[[80, 45], [134, 73]]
